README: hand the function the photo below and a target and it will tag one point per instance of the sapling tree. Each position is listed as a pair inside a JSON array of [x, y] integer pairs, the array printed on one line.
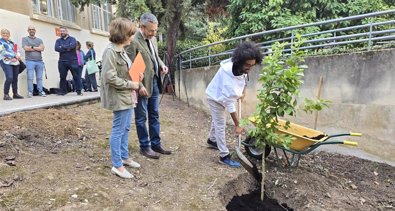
[[281, 78]]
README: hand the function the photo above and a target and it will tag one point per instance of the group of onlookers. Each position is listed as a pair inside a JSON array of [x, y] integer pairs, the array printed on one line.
[[70, 58], [73, 59]]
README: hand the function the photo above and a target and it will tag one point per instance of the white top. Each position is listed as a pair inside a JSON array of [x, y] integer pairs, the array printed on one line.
[[225, 88]]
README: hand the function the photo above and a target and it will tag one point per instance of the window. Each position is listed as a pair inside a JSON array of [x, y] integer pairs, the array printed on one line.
[[101, 16], [61, 9]]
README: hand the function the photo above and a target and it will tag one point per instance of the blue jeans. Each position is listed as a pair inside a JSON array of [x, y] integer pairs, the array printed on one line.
[[11, 77], [120, 136], [31, 68], [148, 107], [64, 67]]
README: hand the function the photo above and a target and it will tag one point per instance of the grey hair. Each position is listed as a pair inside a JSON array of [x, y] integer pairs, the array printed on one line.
[[148, 18]]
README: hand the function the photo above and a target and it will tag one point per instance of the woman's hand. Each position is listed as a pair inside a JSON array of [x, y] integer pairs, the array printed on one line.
[[141, 76], [14, 60]]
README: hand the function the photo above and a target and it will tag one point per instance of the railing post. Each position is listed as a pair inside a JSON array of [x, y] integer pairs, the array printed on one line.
[[334, 40], [179, 80], [209, 56], [370, 33], [292, 39], [190, 60]]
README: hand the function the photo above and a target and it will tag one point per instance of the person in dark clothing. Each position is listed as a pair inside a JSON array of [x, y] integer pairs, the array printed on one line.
[[90, 78], [66, 46]]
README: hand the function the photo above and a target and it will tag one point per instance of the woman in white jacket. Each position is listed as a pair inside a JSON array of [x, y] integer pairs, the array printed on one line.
[[224, 90]]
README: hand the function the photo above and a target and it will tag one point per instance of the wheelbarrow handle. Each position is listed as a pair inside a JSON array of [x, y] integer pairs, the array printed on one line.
[[351, 143]]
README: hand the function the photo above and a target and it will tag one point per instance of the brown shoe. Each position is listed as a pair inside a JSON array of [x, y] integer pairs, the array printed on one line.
[[149, 153], [159, 149]]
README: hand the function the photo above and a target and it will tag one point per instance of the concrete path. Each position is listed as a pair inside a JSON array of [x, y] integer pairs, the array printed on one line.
[[36, 102]]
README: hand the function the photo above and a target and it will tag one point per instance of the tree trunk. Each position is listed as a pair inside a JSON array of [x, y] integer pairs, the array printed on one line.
[[172, 32]]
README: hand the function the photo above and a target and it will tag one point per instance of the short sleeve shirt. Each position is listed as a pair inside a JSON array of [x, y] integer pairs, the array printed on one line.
[[35, 42]]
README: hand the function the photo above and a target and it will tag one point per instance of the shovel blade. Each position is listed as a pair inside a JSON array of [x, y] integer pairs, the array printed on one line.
[[250, 167]]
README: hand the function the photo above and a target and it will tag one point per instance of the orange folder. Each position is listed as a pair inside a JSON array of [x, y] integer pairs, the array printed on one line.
[[137, 67]]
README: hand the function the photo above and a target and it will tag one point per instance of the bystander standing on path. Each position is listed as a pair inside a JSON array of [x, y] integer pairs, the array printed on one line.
[[90, 79], [81, 62], [9, 61], [66, 46], [33, 47]]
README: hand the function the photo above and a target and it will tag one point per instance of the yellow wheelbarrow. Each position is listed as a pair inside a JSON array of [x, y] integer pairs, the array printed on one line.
[[304, 140]]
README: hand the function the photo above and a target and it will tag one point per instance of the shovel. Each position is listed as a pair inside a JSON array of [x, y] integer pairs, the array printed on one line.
[[250, 167]]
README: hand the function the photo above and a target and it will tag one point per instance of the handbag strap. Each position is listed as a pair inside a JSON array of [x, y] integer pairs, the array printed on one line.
[[92, 54]]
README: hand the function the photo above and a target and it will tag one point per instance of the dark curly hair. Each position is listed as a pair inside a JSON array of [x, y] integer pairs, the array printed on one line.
[[246, 51]]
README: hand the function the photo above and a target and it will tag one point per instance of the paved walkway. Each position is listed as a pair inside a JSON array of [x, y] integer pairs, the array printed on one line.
[[36, 102]]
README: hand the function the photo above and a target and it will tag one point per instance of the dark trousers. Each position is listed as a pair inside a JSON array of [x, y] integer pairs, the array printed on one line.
[[11, 77], [64, 67], [90, 81]]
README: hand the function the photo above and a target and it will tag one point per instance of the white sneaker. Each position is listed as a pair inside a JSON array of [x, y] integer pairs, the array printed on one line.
[[125, 174], [131, 163], [29, 95], [42, 94]]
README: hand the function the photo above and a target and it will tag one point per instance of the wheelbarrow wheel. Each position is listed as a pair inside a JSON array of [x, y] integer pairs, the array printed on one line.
[[253, 151]]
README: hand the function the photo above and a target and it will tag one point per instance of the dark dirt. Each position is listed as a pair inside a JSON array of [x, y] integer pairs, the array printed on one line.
[[62, 162]]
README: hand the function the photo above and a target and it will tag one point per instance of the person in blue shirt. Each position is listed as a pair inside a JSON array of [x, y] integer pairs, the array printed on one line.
[[66, 46], [90, 78]]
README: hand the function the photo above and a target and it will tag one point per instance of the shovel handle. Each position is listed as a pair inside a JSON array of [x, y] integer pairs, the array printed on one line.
[[239, 113]]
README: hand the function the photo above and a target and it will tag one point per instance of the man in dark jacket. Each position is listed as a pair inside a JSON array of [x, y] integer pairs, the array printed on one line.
[[66, 46]]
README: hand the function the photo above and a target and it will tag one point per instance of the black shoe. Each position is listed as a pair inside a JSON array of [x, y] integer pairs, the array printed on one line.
[[212, 144], [18, 96], [159, 149], [7, 97], [95, 90], [79, 93], [149, 153], [61, 93]]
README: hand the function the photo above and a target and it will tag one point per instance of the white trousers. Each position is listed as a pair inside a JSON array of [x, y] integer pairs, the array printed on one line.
[[218, 126]]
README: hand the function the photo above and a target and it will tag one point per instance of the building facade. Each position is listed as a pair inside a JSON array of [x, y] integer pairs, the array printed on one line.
[[90, 24]]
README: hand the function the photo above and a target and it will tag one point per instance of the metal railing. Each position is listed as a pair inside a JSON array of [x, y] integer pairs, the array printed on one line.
[[364, 31]]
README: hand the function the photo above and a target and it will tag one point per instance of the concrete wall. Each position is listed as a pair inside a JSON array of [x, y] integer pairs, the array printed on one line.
[[361, 87], [21, 16]]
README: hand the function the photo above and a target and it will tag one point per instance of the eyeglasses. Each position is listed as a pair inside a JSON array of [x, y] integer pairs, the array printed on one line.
[[32, 29]]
